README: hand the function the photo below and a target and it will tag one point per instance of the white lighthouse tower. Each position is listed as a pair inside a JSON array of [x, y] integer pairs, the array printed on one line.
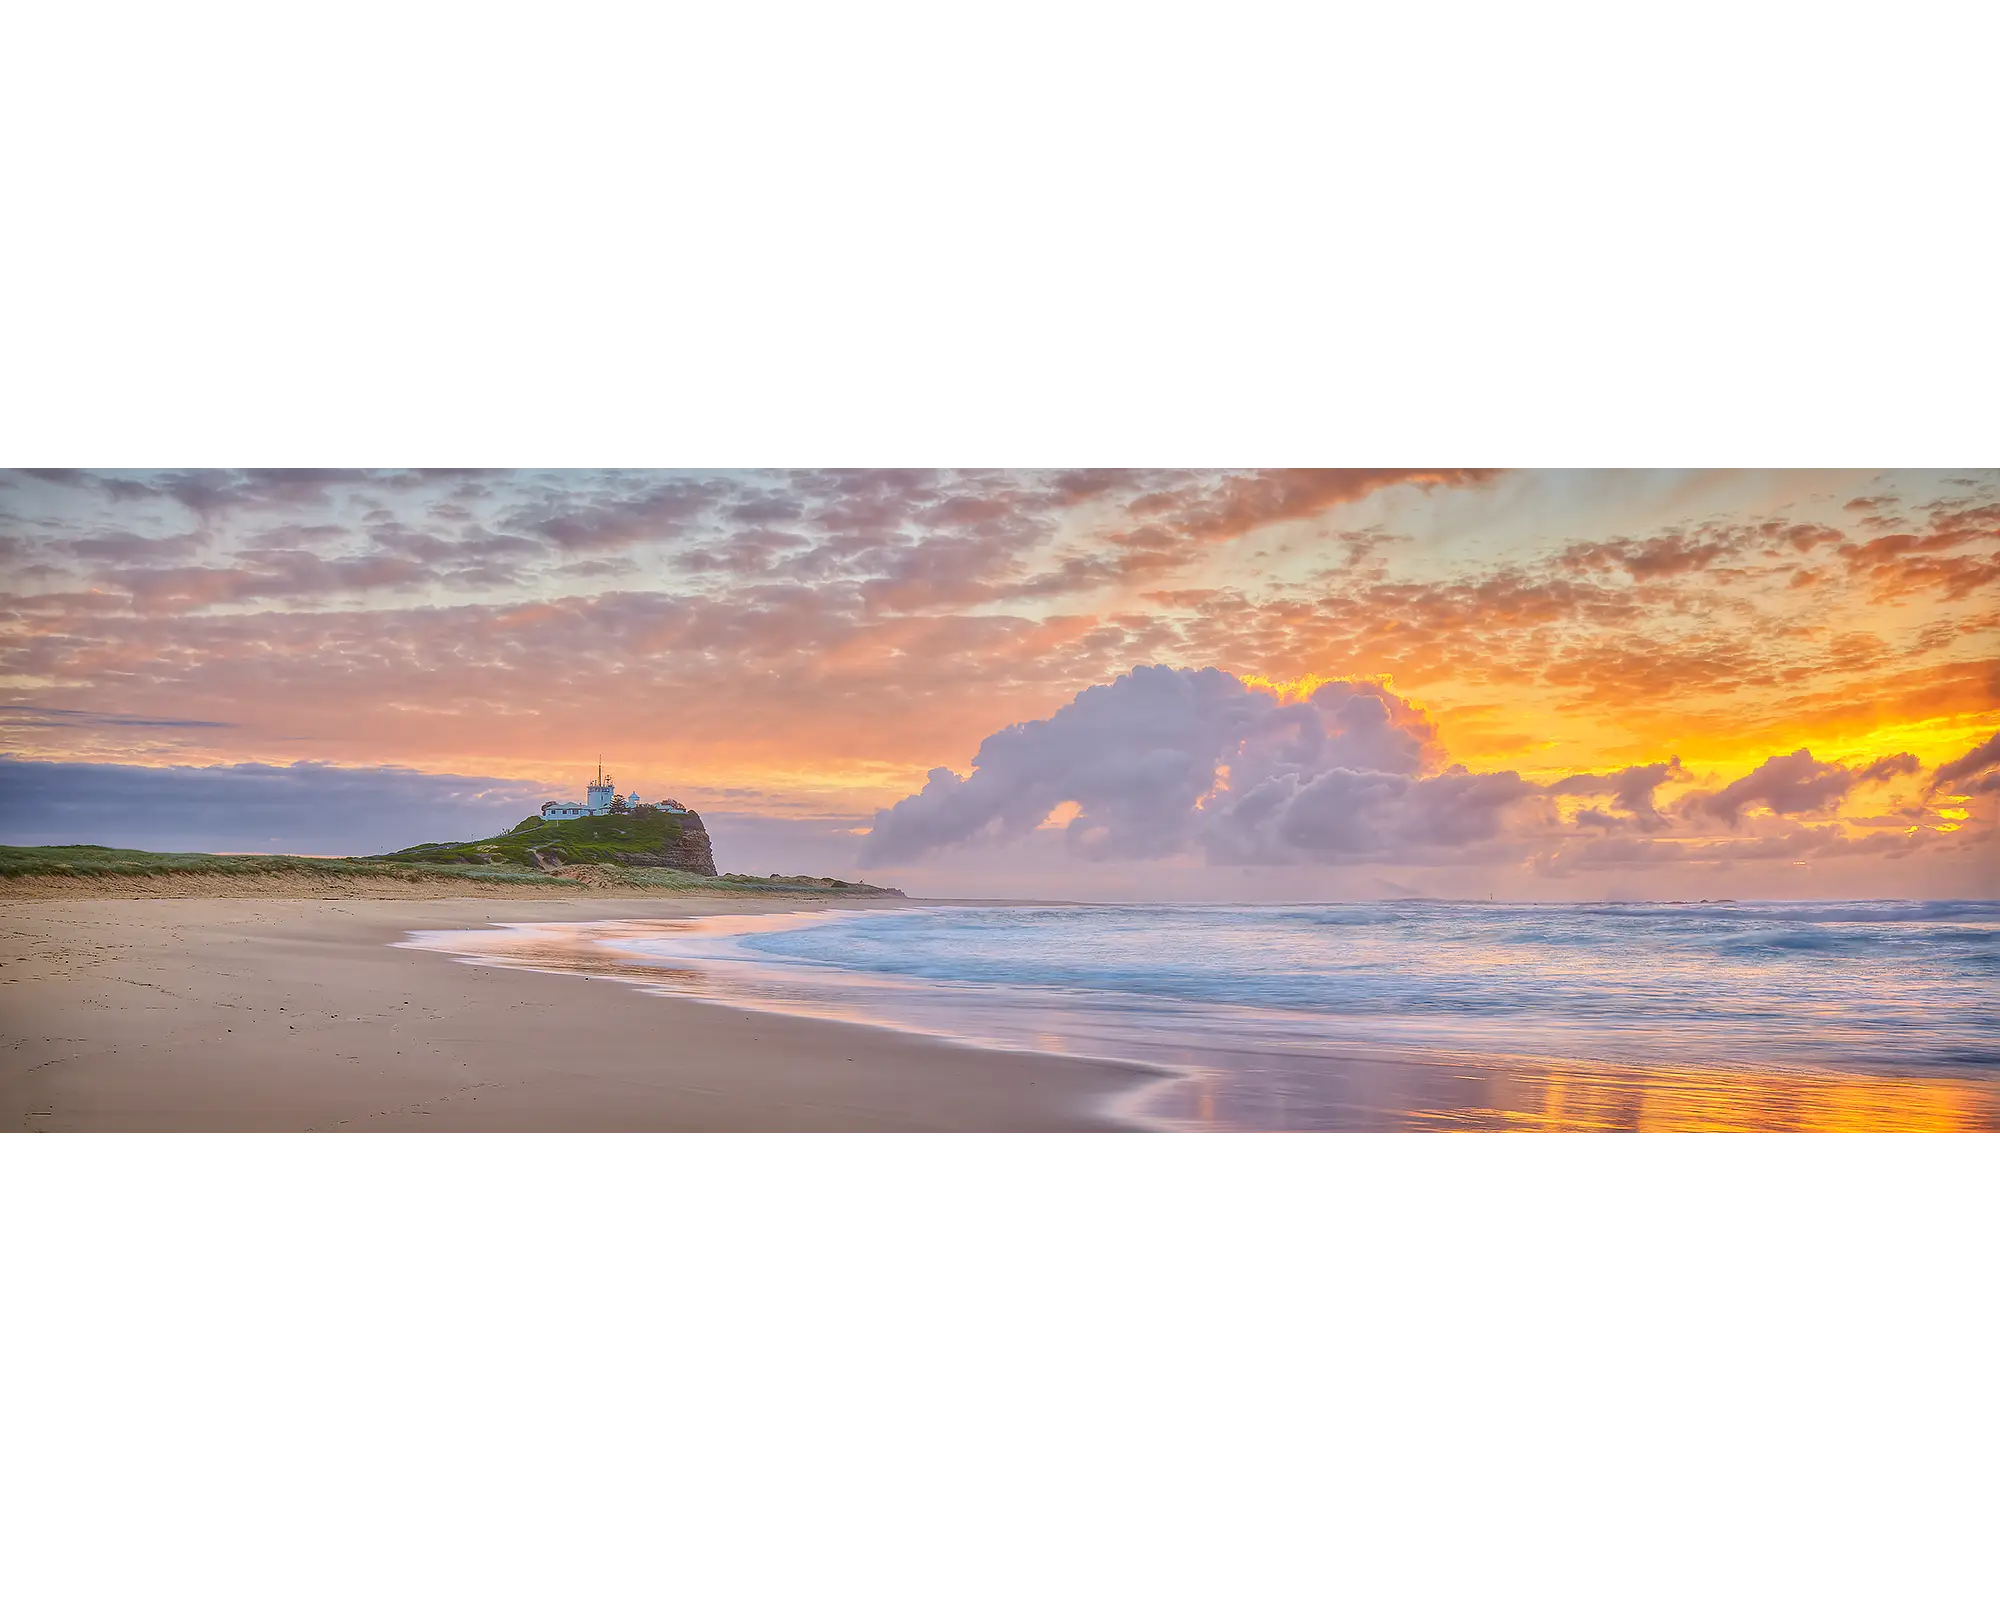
[[600, 794]]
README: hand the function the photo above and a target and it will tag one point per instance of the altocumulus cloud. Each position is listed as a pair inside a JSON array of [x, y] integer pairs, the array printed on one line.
[[1169, 761], [307, 808]]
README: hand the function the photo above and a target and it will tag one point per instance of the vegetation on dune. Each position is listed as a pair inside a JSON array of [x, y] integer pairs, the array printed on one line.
[[99, 861], [625, 850]]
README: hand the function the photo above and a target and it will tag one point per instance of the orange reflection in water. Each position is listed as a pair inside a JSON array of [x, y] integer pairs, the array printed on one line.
[[1585, 1096]]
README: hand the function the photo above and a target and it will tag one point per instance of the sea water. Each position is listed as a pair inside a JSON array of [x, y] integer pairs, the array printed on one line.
[[1417, 1014]]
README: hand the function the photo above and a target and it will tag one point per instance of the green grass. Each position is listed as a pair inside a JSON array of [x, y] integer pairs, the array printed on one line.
[[602, 842], [98, 861], [581, 841]]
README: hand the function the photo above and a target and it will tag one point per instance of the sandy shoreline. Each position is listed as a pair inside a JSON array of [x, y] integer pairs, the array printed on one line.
[[260, 1012]]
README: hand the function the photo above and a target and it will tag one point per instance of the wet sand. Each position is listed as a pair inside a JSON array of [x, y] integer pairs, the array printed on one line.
[[262, 1013]]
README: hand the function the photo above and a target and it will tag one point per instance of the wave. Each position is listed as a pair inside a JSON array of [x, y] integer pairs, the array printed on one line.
[[1861, 982], [1394, 1014]]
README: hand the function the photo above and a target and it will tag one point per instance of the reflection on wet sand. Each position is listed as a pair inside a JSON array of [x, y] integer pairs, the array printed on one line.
[[575, 948], [1498, 1093], [1578, 1095], [1362, 1087]]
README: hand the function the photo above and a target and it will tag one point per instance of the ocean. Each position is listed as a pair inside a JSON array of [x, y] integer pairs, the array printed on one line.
[[1803, 1015]]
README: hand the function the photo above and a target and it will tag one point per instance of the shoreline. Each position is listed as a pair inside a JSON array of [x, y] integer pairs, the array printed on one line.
[[266, 1012]]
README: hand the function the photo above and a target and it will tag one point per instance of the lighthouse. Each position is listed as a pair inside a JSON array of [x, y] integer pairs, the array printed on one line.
[[600, 794]]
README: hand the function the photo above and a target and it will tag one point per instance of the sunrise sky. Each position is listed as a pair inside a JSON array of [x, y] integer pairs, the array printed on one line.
[[1530, 684]]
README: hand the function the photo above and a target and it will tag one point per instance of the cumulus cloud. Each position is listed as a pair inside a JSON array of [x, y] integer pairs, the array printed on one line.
[[1166, 761], [1344, 815], [1201, 766], [1136, 756], [1795, 785], [1630, 790]]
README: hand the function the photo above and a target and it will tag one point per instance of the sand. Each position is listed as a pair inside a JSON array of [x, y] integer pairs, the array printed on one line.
[[262, 1012]]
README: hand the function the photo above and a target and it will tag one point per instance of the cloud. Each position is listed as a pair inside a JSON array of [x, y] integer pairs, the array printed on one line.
[[1136, 756], [211, 491], [613, 521], [1896, 766], [1177, 764], [1632, 789], [1239, 503], [1976, 760], [1728, 551], [1788, 845], [1168, 526], [1344, 815], [275, 574], [1795, 785], [307, 808], [1166, 760], [24, 716]]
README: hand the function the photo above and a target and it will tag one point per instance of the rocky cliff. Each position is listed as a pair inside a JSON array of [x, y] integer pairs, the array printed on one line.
[[681, 844], [617, 852]]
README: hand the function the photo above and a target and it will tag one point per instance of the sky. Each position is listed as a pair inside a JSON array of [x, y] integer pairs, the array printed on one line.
[[1172, 684]]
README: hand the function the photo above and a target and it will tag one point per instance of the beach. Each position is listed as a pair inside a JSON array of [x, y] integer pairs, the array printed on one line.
[[262, 1012], [378, 1004]]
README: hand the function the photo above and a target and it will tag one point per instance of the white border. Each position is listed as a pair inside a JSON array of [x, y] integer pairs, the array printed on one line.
[[885, 234], [994, 1366]]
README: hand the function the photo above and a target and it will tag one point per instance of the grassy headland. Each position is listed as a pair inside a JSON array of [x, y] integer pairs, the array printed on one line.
[[641, 852], [642, 838]]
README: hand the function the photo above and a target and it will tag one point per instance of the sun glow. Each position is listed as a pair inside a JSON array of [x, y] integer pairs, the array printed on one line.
[[1302, 687]]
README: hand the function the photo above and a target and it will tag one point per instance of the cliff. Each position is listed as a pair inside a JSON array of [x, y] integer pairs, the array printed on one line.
[[630, 850]]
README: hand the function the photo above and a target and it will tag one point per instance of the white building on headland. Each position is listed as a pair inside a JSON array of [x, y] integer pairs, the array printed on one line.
[[599, 798]]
